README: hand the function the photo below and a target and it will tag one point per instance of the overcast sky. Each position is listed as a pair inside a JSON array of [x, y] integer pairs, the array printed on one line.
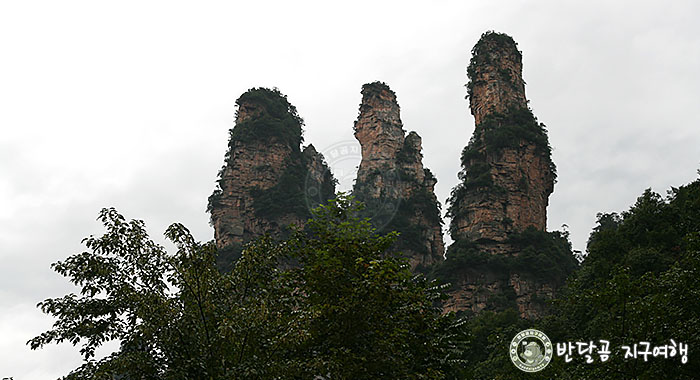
[[128, 104]]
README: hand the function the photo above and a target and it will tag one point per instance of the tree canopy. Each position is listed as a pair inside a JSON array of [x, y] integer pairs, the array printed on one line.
[[639, 283], [347, 311]]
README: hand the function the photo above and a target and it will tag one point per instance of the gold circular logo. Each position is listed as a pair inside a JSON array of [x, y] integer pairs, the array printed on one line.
[[531, 350]]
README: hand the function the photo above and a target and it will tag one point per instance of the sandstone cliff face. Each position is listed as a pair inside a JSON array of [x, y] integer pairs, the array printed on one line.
[[507, 174], [506, 181], [233, 215], [496, 77], [391, 180], [514, 195], [319, 184], [266, 182], [487, 291]]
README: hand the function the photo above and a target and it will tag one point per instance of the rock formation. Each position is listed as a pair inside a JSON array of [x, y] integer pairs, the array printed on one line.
[[502, 257], [507, 174], [391, 180], [267, 182], [499, 210]]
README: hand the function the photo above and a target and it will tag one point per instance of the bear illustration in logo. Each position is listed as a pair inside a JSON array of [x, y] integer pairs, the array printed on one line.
[[532, 353]]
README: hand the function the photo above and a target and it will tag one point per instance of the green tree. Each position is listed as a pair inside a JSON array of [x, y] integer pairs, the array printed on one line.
[[639, 283], [174, 315], [370, 317], [347, 312]]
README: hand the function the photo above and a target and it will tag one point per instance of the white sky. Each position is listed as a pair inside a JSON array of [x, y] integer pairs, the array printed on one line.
[[128, 104]]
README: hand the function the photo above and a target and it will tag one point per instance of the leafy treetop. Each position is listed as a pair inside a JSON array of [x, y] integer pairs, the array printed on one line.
[[278, 118], [347, 312]]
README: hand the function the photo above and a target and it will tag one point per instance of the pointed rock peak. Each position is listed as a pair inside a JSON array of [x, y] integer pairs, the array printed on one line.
[[500, 206], [495, 76], [310, 150], [413, 141], [410, 155], [378, 127], [507, 174], [391, 178], [379, 105]]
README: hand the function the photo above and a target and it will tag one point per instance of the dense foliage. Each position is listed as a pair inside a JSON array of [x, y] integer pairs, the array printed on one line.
[[510, 130], [543, 257], [226, 257], [278, 119], [347, 312], [351, 311], [372, 317], [174, 315], [639, 283]]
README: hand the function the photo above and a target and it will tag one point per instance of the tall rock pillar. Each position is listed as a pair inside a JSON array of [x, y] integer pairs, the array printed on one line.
[[502, 257], [267, 182], [391, 180], [508, 173]]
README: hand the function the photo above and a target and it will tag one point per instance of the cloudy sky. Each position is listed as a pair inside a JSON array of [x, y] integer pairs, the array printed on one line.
[[128, 104]]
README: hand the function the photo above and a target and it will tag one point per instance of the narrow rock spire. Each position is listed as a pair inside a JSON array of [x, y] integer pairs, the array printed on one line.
[[499, 209], [397, 190], [507, 172]]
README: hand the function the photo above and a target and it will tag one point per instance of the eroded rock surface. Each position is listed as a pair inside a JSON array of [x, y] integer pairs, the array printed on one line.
[[267, 182], [499, 210], [397, 190]]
